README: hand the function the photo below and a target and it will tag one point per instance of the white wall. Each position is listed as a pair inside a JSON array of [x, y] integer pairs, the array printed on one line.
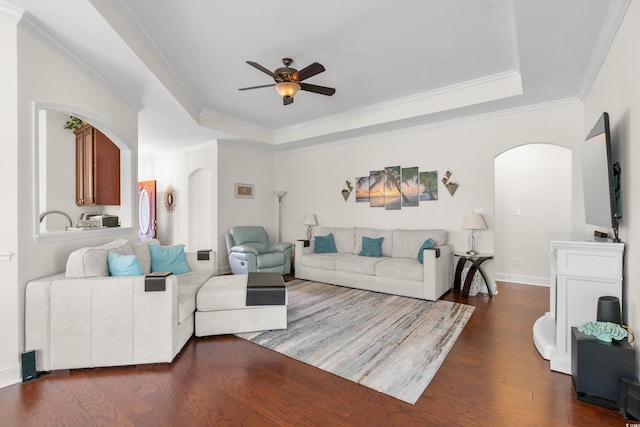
[[314, 177], [616, 90], [533, 197], [175, 169], [33, 73], [248, 166], [10, 308]]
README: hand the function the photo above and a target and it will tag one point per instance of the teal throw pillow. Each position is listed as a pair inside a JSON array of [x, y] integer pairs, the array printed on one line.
[[371, 247], [325, 244], [123, 265], [428, 244], [168, 259]]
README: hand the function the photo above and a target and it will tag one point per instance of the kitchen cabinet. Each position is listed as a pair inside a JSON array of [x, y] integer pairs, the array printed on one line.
[[97, 168]]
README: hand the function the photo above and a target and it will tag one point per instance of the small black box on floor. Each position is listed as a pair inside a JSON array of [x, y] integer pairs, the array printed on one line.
[[28, 361], [203, 254], [155, 282], [598, 366], [265, 289]]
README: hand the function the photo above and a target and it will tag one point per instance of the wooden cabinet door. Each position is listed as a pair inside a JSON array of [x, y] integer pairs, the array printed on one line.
[[84, 166], [97, 168], [106, 170]]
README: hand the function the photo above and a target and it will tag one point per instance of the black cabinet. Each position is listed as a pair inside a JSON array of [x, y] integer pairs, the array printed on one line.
[[597, 366]]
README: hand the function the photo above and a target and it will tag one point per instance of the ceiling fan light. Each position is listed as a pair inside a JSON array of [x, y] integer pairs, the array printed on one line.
[[287, 88]]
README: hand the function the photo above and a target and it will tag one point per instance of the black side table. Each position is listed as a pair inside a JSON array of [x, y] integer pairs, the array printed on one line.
[[475, 260]]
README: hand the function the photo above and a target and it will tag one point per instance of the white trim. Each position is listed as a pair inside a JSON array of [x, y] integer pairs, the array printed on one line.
[[522, 279], [612, 23], [470, 84], [33, 26], [10, 12], [145, 36], [417, 128], [10, 374]]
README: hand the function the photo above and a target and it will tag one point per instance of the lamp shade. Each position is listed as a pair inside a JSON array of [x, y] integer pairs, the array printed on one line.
[[474, 221], [287, 88], [310, 219]]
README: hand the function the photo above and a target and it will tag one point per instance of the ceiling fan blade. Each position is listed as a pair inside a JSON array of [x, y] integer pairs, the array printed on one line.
[[256, 87], [308, 71], [286, 100], [322, 90], [264, 70]]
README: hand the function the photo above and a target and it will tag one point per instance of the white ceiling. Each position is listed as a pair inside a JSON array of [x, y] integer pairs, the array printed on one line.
[[393, 64]]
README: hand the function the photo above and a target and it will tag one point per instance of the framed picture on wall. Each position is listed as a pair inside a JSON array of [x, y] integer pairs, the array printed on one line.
[[244, 191]]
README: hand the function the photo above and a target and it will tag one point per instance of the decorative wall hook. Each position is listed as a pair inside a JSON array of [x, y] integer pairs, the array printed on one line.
[[346, 192], [450, 182]]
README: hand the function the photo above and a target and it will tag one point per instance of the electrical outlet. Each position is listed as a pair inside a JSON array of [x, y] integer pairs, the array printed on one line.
[[516, 211], [478, 210], [516, 261]]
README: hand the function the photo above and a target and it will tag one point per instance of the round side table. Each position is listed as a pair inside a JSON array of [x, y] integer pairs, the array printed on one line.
[[476, 260]]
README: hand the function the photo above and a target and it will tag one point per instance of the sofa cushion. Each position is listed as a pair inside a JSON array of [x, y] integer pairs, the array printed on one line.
[[358, 264], [325, 244], [372, 233], [407, 242], [187, 300], [92, 261], [168, 258], [194, 277], [322, 261], [123, 265], [270, 260], [400, 268], [343, 236], [141, 251], [371, 247]]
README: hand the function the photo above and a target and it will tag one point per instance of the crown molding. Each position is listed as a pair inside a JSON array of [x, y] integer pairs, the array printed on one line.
[[10, 12], [152, 46], [419, 97], [34, 27], [612, 22]]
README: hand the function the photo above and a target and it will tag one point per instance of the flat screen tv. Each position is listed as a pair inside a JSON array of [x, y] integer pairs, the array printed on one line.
[[601, 179]]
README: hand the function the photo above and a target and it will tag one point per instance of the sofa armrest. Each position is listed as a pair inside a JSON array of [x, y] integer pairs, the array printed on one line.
[[300, 251], [438, 271], [279, 247], [100, 321], [196, 264], [244, 249]]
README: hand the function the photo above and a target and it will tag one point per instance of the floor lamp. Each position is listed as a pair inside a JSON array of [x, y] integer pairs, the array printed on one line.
[[280, 195]]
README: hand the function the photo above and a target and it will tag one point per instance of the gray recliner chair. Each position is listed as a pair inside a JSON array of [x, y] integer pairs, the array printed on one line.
[[250, 252]]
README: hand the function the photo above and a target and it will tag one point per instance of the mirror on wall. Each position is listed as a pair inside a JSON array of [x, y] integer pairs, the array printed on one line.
[[79, 175]]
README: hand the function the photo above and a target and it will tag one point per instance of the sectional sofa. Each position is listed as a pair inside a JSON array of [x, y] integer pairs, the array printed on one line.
[[396, 271], [85, 317]]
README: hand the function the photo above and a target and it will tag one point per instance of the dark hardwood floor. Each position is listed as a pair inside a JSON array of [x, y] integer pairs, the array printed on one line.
[[493, 376]]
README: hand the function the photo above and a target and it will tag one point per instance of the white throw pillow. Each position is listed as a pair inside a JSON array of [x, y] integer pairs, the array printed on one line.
[[141, 251], [92, 261]]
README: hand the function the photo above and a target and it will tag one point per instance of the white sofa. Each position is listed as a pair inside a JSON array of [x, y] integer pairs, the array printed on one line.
[[396, 272], [76, 321]]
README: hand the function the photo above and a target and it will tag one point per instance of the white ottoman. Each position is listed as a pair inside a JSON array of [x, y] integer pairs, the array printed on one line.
[[221, 309]]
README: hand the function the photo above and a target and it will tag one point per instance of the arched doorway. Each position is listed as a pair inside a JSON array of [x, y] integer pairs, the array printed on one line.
[[532, 198]]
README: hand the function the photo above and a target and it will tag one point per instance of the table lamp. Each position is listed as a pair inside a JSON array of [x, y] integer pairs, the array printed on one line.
[[309, 221], [473, 221]]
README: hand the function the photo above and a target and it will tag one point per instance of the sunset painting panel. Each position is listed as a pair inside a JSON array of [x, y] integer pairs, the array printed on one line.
[[410, 187], [428, 186], [362, 189], [376, 189], [392, 189]]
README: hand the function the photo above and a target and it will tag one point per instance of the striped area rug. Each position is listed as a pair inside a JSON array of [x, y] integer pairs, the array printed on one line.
[[389, 343]]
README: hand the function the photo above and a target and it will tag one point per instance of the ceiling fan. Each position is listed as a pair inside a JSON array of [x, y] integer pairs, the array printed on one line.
[[288, 81]]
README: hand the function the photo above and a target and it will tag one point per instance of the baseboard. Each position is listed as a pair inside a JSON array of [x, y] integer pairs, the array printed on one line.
[[522, 279], [10, 375]]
